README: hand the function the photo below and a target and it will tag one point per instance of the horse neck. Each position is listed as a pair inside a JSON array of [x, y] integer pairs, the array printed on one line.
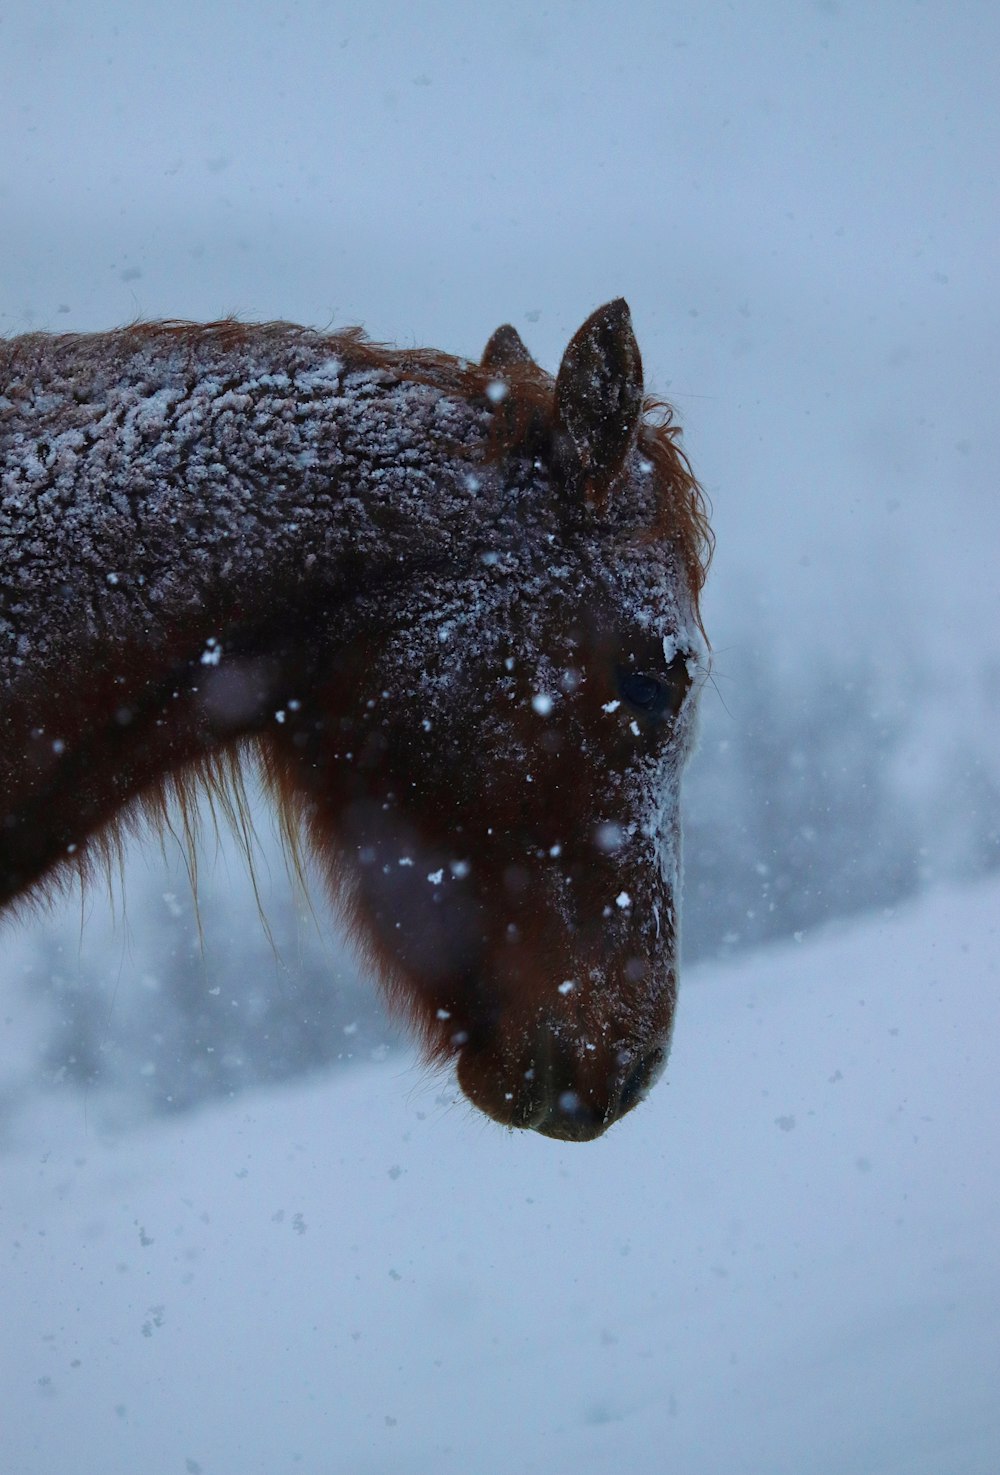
[[179, 513]]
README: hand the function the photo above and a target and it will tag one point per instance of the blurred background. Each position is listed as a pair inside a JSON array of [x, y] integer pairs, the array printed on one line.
[[799, 201]]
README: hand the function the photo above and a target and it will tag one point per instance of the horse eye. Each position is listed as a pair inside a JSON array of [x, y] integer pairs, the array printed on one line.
[[656, 696], [644, 692]]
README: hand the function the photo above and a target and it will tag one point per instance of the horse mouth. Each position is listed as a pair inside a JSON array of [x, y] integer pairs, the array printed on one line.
[[570, 1119], [559, 1093]]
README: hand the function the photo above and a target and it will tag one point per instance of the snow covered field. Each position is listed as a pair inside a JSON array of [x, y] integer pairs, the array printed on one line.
[[785, 1261]]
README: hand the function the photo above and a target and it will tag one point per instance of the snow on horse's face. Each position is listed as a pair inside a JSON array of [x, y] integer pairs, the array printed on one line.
[[494, 762]]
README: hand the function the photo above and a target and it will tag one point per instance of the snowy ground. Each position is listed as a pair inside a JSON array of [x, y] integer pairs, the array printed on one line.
[[785, 1261]]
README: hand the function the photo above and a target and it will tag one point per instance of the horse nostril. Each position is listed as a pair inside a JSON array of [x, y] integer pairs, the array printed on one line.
[[639, 1079]]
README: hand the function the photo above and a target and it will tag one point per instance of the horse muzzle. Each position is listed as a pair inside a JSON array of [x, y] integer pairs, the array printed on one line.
[[573, 1093]]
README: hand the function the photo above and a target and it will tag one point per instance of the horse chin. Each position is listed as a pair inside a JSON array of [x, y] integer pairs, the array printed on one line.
[[550, 1089]]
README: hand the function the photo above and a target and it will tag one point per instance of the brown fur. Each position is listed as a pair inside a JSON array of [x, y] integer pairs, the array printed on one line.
[[454, 1012]]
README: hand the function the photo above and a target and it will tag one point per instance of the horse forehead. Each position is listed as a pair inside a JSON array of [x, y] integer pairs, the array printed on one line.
[[608, 603], [606, 581], [566, 603]]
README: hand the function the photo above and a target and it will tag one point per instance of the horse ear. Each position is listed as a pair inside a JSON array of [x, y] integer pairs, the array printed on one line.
[[599, 398], [505, 349]]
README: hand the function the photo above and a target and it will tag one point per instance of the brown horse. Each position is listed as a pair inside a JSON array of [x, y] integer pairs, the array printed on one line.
[[449, 610]]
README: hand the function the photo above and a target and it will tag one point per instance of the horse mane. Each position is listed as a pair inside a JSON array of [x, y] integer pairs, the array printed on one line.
[[521, 421]]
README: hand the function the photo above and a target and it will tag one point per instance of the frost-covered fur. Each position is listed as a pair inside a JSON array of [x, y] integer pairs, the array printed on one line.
[[406, 579], [159, 475]]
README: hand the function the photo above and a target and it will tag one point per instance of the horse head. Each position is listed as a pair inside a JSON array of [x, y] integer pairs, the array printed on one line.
[[490, 765]]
